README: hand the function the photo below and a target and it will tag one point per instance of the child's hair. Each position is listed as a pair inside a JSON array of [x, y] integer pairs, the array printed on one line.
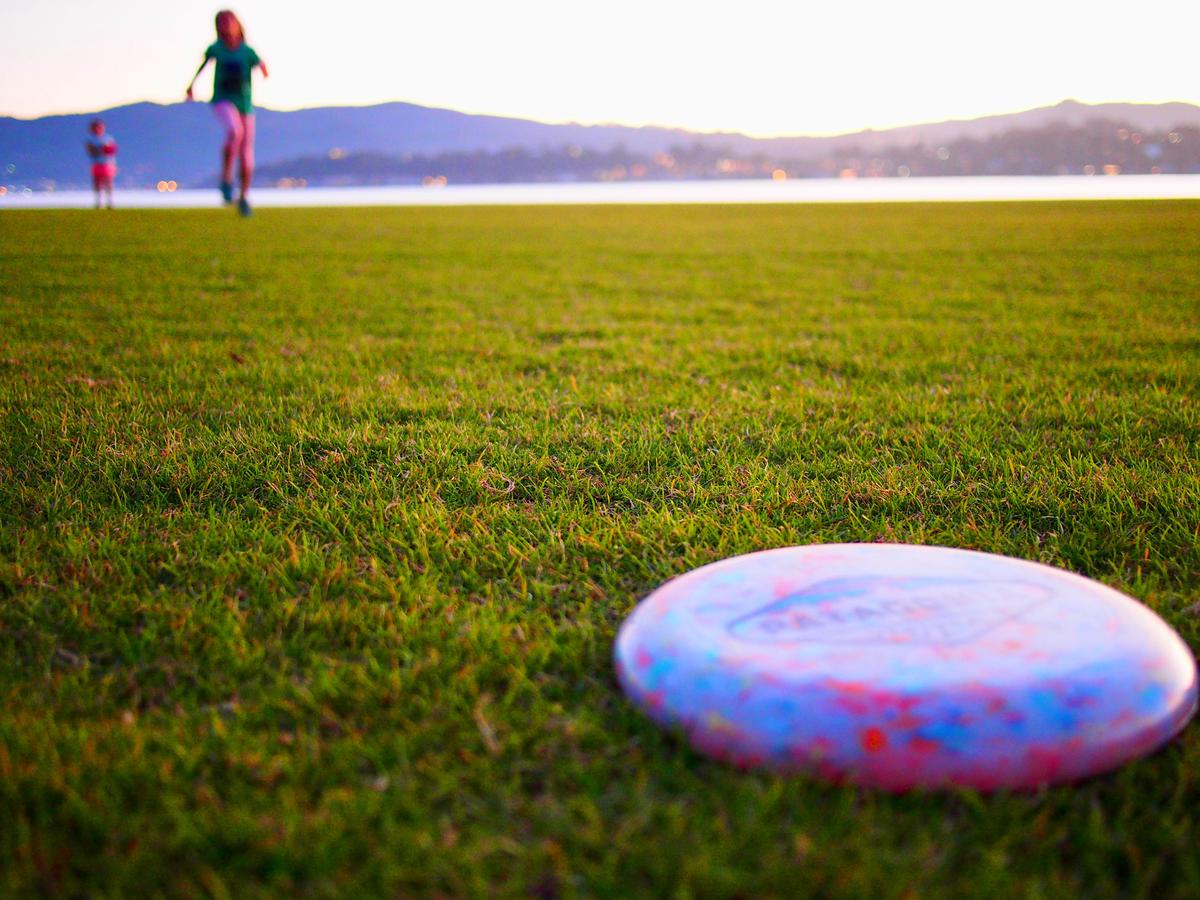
[[231, 19], [95, 123]]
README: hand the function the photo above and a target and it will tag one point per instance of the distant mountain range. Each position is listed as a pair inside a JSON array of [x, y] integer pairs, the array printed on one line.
[[179, 142]]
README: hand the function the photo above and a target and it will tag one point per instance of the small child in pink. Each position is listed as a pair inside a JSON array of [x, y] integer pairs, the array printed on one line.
[[102, 149]]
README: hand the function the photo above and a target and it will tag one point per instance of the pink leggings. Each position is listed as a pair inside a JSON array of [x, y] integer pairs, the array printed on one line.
[[239, 136]]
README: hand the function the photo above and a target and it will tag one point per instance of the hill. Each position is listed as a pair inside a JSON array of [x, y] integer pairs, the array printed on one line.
[[1097, 146], [177, 141]]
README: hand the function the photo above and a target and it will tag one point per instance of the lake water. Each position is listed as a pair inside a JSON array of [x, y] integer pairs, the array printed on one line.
[[832, 190]]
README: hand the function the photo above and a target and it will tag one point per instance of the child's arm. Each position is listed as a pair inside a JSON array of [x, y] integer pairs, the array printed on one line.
[[263, 68], [192, 83]]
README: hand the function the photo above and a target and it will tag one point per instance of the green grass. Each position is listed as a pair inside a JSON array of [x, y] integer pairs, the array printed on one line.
[[316, 530]]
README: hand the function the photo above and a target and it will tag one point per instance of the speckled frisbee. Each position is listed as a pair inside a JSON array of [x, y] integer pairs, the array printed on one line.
[[900, 666]]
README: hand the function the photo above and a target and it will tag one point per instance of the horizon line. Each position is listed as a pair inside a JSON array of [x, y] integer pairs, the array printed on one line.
[[1068, 101]]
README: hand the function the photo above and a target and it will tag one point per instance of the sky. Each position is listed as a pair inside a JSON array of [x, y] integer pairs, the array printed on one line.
[[765, 68]]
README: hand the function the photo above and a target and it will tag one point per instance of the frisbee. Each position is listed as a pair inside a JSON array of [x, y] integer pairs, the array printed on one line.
[[899, 666]]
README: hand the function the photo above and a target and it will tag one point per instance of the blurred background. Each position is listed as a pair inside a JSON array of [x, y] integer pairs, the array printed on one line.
[[532, 91]]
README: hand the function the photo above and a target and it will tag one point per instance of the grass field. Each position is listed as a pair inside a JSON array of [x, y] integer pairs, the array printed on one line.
[[316, 530]]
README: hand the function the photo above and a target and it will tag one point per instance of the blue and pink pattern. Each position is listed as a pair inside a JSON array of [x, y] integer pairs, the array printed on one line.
[[900, 666]]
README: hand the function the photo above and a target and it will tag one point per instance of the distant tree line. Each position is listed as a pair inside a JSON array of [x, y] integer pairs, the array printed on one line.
[[1052, 150], [1096, 148]]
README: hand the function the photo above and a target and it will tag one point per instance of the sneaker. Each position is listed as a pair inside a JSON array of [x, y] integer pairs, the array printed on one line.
[[244, 207], [227, 191]]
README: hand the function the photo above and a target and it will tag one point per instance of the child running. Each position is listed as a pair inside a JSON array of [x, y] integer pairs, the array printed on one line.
[[235, 61], [102, 150]]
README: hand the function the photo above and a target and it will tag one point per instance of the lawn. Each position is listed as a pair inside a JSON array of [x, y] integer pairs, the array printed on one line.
[[316, 530]]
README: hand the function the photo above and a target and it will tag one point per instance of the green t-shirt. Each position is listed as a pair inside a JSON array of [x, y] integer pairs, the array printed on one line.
[[231, 81]]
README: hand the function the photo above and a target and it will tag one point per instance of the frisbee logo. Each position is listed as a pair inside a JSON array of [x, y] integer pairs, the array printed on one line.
[[884, 609]]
